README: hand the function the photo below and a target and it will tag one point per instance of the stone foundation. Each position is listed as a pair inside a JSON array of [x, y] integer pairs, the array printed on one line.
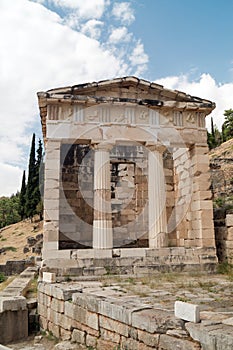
[[74, 312], [15, 309], [223, 226], [131, 261]]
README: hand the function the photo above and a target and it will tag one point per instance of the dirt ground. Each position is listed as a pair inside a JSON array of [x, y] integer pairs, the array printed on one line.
[[14, 238]]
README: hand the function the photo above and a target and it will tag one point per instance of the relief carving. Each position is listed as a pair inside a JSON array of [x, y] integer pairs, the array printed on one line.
[[190, 118]]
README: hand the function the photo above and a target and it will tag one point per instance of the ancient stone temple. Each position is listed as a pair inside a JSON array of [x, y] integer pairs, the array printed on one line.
[[126, 175]]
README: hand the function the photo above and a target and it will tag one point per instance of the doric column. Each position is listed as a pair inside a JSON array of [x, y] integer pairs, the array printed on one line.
[[157, 198], [102, 224]]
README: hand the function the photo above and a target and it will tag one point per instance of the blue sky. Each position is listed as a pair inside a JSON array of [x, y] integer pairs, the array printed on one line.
[[184, 45], [186, 36]]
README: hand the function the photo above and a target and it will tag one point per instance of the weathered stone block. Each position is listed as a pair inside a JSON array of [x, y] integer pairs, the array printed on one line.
[[54, 329], [13, 325], [148, 339], [111, 324], [64, 334], [65, 322], [229, 220], [198, 333], [170, 343], [129, 344], [13, 303], [86, 301], [54, 316], [58, 305], [91, 341], [155, 321], [187, 312], [43, 310], [49, 277], [78, 336], [105, 344], [65, 292], [108, 335], [43, 321], [116, 311], [229, 233], [82, 315]]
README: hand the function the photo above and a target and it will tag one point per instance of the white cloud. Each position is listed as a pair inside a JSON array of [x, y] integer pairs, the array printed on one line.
[[11, 181], [123, 12], [92, 28], [206, 87], [138, 56], [37, 52], [72, 20], [85, 8], [119, 35]]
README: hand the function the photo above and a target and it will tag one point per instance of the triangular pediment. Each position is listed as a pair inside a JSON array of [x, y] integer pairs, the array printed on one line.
[[120, 93], [126, 87]]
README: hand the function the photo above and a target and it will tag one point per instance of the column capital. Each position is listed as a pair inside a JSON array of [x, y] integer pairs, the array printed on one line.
[[156, 147], [102, 146]]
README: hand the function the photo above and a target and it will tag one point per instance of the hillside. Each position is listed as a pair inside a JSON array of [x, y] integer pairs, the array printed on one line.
[[225, 150], [13, 239], [221, 161]]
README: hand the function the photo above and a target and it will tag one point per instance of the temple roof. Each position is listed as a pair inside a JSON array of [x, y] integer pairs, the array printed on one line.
[[124, 82], [128, 90]]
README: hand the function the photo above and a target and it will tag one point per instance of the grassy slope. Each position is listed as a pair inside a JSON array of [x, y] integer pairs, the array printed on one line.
[[16, 236]]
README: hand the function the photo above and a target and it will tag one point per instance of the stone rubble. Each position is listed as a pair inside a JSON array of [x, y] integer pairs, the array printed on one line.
[[89, 313]]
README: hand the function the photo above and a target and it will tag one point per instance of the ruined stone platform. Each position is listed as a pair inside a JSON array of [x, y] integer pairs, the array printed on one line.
[[130, 261], [138, 313]]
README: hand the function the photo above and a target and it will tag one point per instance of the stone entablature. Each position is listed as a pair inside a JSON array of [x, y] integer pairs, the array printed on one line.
[[100, 135], [125, 98]]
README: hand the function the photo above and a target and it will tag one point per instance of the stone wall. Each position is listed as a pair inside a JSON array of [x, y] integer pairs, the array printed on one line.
[[131, 261], [105, 323], [14, 308], [129, 196], [14, 267], [76, 197], [223, 226]]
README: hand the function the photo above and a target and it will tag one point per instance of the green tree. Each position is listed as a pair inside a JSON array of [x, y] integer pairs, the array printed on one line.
[[223, 133], [31, 201], [39, 169], [214, 138], [9, 210], [22, 198], [228, 124]]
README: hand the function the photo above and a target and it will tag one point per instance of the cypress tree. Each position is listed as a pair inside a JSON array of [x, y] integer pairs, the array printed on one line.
[[22, 198], [39, 180], [31, 201], [223, 133]]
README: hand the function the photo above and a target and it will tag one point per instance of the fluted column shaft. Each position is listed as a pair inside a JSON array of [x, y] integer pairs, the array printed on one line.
[[157, 199], [102, 224]]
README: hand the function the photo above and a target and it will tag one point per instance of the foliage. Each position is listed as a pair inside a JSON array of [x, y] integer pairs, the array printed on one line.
[[219, 202], [12, 249], [22, 198], [9, 210], [2, 277], [225, 268], [33, 194], [228, 124], [28, 202], [216, 137], [31, 184]]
